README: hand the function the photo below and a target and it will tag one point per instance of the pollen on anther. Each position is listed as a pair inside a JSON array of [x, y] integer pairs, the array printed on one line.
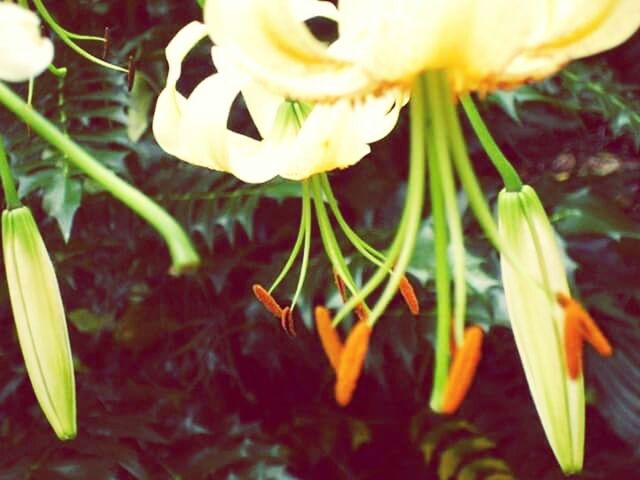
[[352, 362], [579, 326], [573, 346], [409, 295], [463, 369], [329, 338], [267, 300]]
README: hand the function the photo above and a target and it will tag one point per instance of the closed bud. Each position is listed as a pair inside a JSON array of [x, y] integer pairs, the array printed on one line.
[[40, 320], [533, 274]]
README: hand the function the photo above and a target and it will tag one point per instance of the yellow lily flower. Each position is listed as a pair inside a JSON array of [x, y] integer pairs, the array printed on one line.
[[541, 312], [40, 320], [297, 140], [24, 53], [482, 44]]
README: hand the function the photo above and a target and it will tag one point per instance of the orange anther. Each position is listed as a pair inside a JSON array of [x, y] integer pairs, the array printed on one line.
[[463, 369], [573, 345], [331, 342], [351, 362], [409, 296], [580, 326], [267, 300]]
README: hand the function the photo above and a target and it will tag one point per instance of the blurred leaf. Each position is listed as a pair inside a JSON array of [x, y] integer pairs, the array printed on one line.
[[422, 261], [62, 199], [87, 321], [139, 106], [584, 212]]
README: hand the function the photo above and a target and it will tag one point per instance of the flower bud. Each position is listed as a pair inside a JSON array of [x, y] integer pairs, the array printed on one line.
[[533, 273], [24, 53], [40, 319]]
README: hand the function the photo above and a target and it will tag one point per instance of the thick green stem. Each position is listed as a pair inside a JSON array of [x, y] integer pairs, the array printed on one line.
[[10, 193], [510, 177], [183, 255], [442, 275], [440, 94]]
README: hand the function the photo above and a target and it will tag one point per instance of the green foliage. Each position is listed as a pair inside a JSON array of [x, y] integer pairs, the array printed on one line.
[[190, 378], [582, 89]]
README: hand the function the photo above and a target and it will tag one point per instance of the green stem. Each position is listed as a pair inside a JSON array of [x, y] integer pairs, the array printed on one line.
[[414, 202], [363, 247], [510, 177], [183, 255], [306, 218], [468, 178], [298, 243], [329, 240], [442, 275], [10, 193], [440, 94], [404, 240], [62, 33]]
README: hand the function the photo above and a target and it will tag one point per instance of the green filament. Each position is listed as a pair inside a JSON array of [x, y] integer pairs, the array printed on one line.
[[66, 38], [510, 177]]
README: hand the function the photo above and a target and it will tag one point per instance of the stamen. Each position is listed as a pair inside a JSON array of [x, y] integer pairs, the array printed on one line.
[[579, 326], [267, 300], [359, 309], [573, 345], [409, 296], [463, 369], [107, 43], [360, 312], [331, 342], [592, 334], [351, 362], [340, 284], [286, 321]]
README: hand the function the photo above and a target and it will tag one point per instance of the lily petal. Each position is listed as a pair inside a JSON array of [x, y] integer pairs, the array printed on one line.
[[471, 39], [24, 53], [170, 103]]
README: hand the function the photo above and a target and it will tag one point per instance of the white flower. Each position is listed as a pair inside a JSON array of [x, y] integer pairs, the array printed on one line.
[[296, 140], [483, 44], [24, 53]]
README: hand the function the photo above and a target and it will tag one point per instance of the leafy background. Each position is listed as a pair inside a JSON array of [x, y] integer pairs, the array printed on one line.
[[189, 378]]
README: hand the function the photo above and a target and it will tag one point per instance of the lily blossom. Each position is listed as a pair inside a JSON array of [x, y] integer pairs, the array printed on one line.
[[297, 140], [24, 53], [384, 43]]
